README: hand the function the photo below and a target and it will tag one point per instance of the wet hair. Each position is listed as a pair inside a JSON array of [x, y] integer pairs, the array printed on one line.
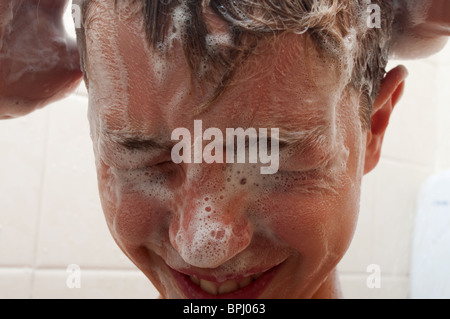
[[331, 24]]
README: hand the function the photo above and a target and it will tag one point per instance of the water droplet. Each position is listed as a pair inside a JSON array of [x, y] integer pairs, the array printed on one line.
[[222, 9], [302, 31]]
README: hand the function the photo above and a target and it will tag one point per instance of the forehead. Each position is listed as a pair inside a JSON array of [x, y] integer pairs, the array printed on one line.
[[132, 87]]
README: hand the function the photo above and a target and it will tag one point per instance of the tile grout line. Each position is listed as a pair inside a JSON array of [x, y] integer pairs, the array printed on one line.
[[366, 274], [39, 214], [63, 269]]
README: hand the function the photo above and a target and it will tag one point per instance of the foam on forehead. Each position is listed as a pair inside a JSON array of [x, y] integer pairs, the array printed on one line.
[[105, 65], [216, 40], [110, 67]]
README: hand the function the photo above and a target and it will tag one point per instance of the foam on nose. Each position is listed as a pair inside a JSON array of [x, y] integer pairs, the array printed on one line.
[[207, 237]]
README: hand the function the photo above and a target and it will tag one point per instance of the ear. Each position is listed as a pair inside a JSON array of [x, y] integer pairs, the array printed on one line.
[[390, 93]]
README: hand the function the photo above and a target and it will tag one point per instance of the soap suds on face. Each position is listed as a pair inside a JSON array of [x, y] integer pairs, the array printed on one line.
[[106, 70], [207, 242], [211, 240], [110, 69], [206, 232], [180, 18]]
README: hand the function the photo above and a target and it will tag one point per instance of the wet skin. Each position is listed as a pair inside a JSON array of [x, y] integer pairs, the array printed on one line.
[[39, 62], [183, 224]]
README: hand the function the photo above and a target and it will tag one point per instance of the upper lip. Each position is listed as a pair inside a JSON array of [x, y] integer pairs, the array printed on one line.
[[221, 278], [229, 271], [214, 275]]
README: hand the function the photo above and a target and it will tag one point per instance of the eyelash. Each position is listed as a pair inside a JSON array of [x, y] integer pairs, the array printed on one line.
[[164, 167]]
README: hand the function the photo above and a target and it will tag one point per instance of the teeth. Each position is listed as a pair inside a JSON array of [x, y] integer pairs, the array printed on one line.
[[195, 280], [228, 286], [224, 288], [209, 287], [244, 283]]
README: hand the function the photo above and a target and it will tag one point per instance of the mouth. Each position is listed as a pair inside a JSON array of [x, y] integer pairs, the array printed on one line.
[[227, 287], [197, 286]]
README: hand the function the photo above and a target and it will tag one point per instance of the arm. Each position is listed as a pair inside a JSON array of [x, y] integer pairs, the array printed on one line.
[[421, 29], [39, 63], [437, 22]]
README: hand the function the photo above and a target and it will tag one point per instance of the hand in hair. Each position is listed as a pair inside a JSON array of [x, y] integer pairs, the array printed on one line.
[[422, 28], [39, 63]]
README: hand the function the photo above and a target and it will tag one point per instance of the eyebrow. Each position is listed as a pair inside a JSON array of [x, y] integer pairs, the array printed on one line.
[[144, 144], [304, 137], [140, 143]]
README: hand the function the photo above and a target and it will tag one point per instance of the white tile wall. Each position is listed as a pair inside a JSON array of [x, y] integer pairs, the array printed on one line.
[[94, 284], [23, 154], [50, 215], [416, 146]]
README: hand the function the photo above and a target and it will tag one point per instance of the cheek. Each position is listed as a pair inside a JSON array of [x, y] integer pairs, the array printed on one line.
[[319, 227], [139, 220], [134, 217], [319, 222]]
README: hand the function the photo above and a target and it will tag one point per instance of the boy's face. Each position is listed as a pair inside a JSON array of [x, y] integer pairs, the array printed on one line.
[[215, 228]]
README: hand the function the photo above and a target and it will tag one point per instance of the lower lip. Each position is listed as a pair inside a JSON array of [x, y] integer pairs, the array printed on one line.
[[252, 291]]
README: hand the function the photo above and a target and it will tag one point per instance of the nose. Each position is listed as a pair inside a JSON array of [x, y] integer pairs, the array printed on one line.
[[210, 229]]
